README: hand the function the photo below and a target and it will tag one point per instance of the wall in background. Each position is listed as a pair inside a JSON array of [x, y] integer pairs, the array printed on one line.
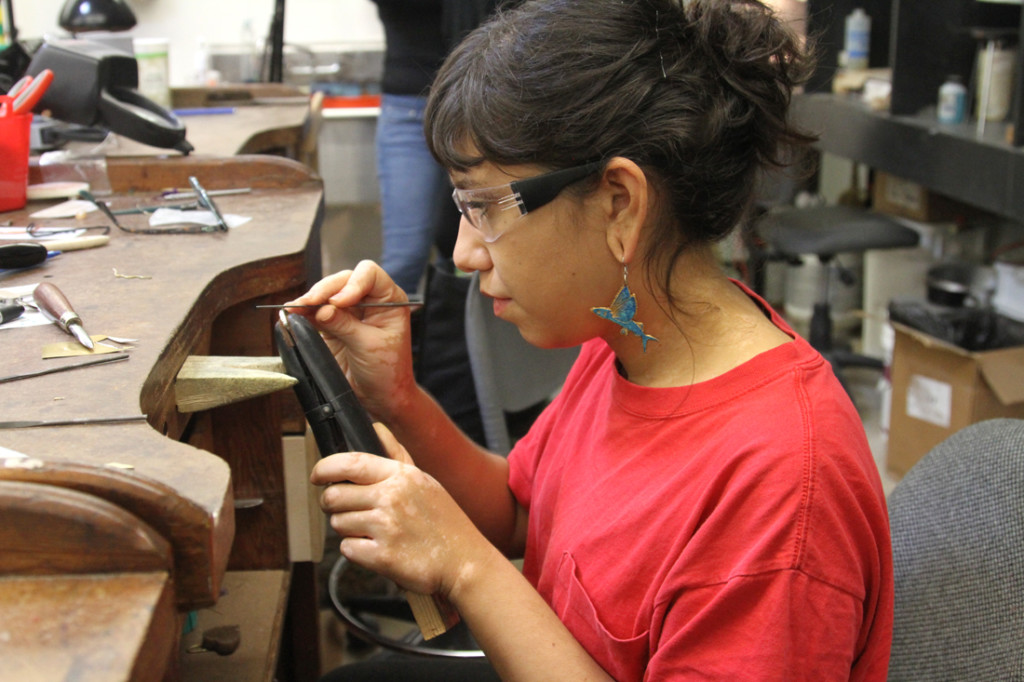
[[188, 23]]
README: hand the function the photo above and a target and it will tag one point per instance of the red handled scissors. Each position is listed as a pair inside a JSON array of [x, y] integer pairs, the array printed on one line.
[[26, 93]]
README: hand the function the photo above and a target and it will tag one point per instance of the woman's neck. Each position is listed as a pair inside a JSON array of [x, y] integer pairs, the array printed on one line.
[[713, 328]]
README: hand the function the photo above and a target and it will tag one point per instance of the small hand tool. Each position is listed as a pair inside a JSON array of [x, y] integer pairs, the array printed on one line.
[[342, 424], [64, 368], [77, 243], [32, 423], [22, 255], [175, 194], [206, 202], [54, 304], [7, 106], [189, 229], [10, 309], [32, 93], [22, 83]]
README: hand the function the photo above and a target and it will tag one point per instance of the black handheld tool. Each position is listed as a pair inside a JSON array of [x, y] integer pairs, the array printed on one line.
[[22, 255], [338, 421]]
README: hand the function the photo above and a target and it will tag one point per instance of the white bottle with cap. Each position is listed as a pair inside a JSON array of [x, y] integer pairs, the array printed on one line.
[[952, 101], [857, 39]]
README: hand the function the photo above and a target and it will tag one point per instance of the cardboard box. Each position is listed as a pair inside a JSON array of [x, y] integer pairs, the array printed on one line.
[[938, 389], [899, 197]]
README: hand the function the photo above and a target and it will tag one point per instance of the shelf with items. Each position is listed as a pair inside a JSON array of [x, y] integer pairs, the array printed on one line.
[[940, 38], [923, 43], [986, 172]]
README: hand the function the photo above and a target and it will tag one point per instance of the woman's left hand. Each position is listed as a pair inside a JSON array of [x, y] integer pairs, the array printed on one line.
[[395, 519]]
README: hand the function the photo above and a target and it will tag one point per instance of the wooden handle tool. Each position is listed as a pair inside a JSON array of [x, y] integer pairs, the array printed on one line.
[[55, 305]]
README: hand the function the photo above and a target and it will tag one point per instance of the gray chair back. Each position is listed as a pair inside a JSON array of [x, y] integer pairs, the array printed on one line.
[[509, 373], [957, 522]]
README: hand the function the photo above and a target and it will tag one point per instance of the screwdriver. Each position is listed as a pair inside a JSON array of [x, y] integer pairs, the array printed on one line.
[[22, 255], [55, 305]]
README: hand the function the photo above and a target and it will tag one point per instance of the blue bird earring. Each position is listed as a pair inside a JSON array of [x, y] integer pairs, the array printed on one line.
[[623, 309]]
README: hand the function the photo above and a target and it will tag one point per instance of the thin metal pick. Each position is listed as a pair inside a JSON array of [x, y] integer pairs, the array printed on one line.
[[382, 304]]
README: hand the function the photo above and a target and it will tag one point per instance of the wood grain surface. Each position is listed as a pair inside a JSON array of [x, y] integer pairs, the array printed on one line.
[[178, 473]]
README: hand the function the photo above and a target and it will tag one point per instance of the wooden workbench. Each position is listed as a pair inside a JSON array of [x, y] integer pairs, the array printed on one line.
[[111, 533]]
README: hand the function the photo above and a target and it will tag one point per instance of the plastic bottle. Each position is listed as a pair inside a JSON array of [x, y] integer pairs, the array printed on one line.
[[202, 62], [952, 101], [857, 39], [996, 62], [250, 54]]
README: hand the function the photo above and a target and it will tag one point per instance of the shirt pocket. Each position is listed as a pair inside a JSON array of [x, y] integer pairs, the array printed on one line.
[[622, 657]]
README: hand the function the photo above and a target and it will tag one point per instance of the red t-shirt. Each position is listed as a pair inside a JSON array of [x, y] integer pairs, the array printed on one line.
[[731, 530]]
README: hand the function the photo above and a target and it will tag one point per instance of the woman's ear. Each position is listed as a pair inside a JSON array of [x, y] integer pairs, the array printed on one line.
[[625, 193]]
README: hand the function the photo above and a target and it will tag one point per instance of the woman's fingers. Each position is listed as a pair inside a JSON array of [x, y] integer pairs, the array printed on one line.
[[360, 467], [394, 518], [352, 467], [367, 282], [320, 292]]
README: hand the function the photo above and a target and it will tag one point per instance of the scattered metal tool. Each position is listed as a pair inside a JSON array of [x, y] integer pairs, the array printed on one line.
[[203, 201], [55, 305], [174, 195], [64, 368], [44, 231], [191, 206], [206, 202], [29, 424], [10, 309]]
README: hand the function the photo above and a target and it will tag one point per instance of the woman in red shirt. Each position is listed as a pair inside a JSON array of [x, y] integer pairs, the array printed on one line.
[[699, 502]]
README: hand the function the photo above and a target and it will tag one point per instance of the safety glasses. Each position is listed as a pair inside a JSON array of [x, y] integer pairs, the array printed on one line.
[[521, 196]]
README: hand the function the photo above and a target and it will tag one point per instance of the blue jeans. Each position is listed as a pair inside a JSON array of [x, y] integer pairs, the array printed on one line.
[[416, 206]]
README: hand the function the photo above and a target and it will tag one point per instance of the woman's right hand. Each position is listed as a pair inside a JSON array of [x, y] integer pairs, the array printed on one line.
[[372, 345]]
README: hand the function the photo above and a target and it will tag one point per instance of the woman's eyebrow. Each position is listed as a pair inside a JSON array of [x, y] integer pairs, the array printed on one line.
[[466, 181]]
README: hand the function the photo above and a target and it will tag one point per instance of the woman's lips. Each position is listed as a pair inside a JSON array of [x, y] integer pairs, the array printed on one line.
[[499, 303]]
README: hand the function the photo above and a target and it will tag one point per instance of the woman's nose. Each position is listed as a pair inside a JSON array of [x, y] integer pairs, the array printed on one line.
[[470, 253]]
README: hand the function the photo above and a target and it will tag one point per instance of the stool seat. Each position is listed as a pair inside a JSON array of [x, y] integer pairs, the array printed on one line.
[[825, 232], [828, 230]]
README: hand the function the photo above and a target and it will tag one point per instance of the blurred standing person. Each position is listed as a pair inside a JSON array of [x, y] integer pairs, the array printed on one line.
[[417, 212], [416, 209], [413, 201]]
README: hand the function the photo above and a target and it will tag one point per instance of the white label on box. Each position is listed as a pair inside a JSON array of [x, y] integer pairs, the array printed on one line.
[[904, 193], [930, 400]]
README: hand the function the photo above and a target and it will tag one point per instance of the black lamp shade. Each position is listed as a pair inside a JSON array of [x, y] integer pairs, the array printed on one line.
[[79, 16]]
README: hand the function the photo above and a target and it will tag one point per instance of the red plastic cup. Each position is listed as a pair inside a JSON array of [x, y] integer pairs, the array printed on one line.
[[14, 150]]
